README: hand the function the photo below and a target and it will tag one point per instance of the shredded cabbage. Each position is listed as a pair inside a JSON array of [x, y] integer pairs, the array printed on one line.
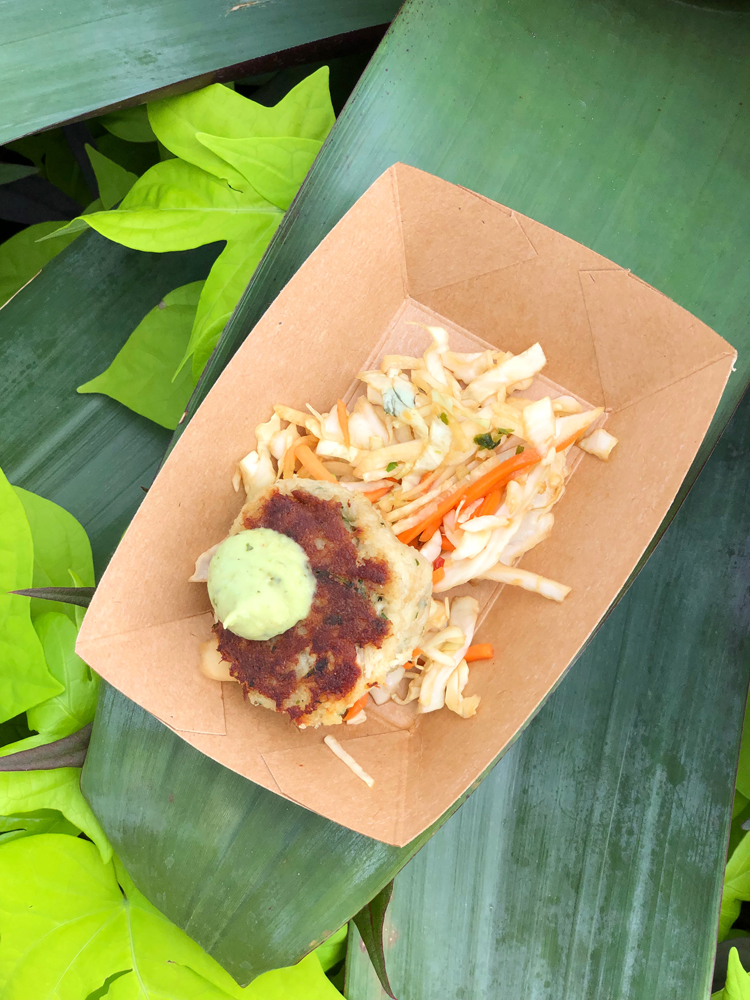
[[420, 434]]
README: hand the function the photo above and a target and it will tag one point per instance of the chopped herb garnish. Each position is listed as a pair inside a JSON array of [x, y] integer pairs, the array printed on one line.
[[391, 466], [492, 438], [519, 449], [444, 417]]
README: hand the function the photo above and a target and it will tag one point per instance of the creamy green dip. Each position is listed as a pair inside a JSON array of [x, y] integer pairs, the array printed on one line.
[[260, 583]]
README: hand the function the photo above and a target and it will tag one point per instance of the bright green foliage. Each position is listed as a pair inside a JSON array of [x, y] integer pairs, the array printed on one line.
[[24, 678], [305, 113], [177, 206], [225, 284], [737, 986], [131, 124], [13, 827], [26, 792], [114, 181], [736, 886], [69, 921], [238, 165], [22, 257], [140, 376], [274, 166], [333, 950], [61, 547], [74, 708]]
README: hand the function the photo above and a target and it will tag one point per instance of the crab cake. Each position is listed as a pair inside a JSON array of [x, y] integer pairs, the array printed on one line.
[[368, 612]]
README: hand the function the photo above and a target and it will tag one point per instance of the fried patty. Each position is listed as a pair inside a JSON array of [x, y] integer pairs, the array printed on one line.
[[371, 602]]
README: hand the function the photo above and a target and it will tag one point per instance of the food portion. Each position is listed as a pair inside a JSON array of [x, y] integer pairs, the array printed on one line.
[[443, 472], [368, 605]]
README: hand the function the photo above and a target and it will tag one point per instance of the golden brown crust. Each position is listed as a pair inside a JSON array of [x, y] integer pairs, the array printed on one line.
[[323, 665]]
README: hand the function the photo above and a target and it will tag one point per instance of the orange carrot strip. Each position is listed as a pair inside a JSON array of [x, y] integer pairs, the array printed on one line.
[[490, 504], [375, 495], [313, 464], [287, 468], [447, 545], [498, 476], [357, 707], [488, 483], [427, 528], [417, 652], [482, 651], [438, 575], [343, 421]]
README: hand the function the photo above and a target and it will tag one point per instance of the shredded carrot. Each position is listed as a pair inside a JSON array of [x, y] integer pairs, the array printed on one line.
[[288, 464], [447, 545], [375, 495], [343, 421], [490, 504], [287, 467], [417, 652], [313, 464], [357, 707], [482, 651], [438, 575], [490, 482], [427, 528]]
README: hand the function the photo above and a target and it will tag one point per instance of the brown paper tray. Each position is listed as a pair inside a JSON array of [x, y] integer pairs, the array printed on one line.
[[416, 249]]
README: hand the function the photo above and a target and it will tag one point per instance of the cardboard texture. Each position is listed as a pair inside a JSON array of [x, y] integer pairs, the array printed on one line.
[[415, 249]]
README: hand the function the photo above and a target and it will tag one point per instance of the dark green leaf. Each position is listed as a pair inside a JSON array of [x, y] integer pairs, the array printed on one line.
[[13, 730], [14, 171], [52, 155], [142, 374], [70, 751], [81, 60], [79, 596], [370, 922], [131, 124]]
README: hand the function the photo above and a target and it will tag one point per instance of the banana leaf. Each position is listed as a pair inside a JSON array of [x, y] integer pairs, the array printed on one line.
[[590, 862], [92, 56]]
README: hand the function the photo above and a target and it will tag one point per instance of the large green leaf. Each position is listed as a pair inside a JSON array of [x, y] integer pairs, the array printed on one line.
[[61, 547], [142, 373], [26, 792], [24, 678], [70, 921], [98, 56], [221, 114], [264, 852]]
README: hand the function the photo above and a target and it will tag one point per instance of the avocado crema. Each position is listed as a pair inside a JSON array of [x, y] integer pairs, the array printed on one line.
[[260, 583]]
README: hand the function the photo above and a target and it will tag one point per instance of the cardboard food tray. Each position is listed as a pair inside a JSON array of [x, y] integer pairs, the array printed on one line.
[[415, 249]]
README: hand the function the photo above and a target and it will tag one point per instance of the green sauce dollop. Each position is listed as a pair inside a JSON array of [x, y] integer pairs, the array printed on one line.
[[260, 583]]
